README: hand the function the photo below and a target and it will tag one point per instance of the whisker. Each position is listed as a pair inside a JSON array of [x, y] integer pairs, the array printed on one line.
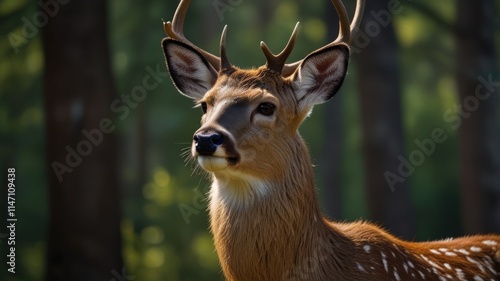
[[189, 160]]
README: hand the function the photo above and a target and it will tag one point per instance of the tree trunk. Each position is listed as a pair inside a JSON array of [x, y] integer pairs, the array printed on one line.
[[84, 241], [383, 141], [478, 123], [330, 161]]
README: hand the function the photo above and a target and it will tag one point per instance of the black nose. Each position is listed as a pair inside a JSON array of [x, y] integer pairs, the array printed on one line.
[[207, 142]]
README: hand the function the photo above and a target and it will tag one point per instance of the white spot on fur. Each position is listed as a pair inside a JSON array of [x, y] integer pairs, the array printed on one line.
[[367, 248], [481, 267], [490, 242], [360, 267], [488, 259], [396, 275], [462, 251], [460, 274], [424, 257], [433, 264], [492, 270], [475, 249], [384, 261], [477, 278]]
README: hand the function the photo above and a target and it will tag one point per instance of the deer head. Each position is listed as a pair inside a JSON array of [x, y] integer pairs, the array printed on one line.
[[250, 117]]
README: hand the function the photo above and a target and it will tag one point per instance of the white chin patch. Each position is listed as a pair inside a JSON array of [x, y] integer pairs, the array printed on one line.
[[238, 191], [212, 163]]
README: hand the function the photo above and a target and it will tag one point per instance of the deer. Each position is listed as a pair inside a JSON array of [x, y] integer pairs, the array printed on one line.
[[264, 212]]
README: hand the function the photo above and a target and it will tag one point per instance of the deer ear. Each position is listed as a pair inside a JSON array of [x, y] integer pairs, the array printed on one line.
[[320, 76], [190, 71]]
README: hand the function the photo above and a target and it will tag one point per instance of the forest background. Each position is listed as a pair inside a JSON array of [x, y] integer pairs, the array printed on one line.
[[94, 128]]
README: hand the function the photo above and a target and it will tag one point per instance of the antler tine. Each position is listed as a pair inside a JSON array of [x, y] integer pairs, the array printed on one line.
[[175, 30], [346, 31], [276, 62], [356, 21], [224, 61]]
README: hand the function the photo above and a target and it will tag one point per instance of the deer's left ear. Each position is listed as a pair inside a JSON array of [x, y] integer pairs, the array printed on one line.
[[320, 76], [190, 71]]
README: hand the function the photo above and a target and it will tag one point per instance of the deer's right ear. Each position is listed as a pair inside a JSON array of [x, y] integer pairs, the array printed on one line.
[[320, 75], [190, 71]]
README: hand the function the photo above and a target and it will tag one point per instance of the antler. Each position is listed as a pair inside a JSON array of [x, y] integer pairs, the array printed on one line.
[[346, 34], [175, 30], [277, 62]]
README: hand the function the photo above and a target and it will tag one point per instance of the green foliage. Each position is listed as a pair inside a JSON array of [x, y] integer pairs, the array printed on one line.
[[168, 240]]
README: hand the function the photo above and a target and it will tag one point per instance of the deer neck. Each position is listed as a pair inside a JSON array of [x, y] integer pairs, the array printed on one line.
[[261, 227]]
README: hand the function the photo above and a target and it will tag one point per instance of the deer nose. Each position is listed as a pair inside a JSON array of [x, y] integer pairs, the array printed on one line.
[[206, 143]]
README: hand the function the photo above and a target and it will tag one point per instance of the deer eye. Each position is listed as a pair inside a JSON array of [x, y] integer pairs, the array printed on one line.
[[204, 107], [266, 109]]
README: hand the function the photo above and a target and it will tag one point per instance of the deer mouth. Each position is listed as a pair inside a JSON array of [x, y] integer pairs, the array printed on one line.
[[212, 163], [233, 160]]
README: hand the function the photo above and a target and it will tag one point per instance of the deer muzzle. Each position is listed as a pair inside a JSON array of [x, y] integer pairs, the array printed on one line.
[[214, 150]]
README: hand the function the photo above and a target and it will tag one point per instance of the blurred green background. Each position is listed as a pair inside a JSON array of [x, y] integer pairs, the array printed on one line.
[[164, 224]]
